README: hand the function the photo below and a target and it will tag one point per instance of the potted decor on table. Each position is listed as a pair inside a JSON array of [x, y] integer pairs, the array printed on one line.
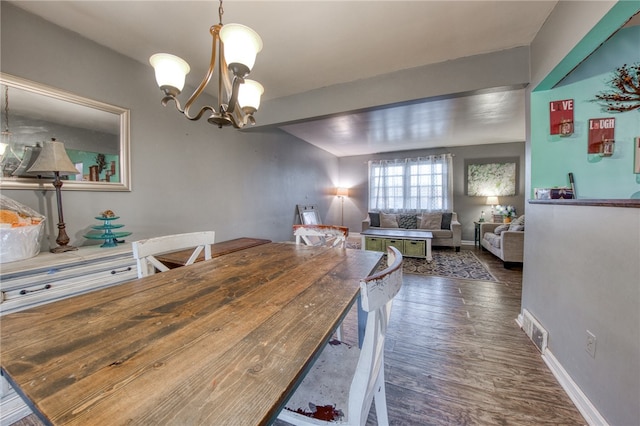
[[508, 213]]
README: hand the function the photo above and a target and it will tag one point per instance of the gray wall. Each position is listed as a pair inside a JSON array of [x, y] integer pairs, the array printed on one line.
[[354, 173], [186, 176], [582, 264]]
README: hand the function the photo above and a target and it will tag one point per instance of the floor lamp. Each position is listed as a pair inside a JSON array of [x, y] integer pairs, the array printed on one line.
[[54, 161], [342, 193]]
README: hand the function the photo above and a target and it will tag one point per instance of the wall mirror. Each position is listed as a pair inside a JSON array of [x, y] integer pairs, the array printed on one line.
[[95, 136]]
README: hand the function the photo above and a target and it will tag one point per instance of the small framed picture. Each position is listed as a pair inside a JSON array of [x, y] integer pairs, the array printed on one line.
[[309, 214]]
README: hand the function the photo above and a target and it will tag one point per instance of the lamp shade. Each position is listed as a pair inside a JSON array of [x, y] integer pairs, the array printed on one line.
[[342, 192], [53, 158], [170, 70], [241, 44], [492, 201], [249, 94]]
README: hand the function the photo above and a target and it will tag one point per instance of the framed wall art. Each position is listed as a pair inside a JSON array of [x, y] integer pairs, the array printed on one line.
[[492, 177], [561, 117], [309, 214]]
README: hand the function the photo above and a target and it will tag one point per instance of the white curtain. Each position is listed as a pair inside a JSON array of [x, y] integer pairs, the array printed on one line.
[[411, 184]]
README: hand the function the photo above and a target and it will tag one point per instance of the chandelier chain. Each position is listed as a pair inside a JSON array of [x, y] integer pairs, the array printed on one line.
[[6, 108], [220, 13]]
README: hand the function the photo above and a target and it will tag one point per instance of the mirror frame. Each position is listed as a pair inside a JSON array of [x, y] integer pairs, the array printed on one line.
[[72, 185]]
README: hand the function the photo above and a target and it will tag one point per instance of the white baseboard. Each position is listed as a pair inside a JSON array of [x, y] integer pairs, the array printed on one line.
[[520, 320], [586, 408]]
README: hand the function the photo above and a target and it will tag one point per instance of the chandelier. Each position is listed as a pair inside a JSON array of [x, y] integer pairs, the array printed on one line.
[[234, 49]]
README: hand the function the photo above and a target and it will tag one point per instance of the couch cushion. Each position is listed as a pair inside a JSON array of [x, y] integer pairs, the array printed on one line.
[[441, 233], [407, 221], [492, 239], [430, 221], [514, 227], [500, 229], [388, 220], [374, 217], [446, 221]]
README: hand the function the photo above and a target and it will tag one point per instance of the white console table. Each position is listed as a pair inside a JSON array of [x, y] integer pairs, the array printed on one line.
[[48, 277]]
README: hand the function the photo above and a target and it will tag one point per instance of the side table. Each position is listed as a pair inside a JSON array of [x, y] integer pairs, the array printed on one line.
[[476, 234], [477, 238]]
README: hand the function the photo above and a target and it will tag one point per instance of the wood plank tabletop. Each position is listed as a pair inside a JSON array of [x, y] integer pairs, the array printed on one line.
[[221, 342], [179, 258]]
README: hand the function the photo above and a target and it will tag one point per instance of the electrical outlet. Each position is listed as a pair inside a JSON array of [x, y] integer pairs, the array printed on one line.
[[591, 344]]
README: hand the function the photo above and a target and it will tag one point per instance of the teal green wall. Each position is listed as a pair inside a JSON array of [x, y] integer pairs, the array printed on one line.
[[553, 157], [88, 159]]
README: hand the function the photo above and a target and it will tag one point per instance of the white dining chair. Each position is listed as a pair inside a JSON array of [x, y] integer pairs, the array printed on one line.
[[314, 235], [144, 251], [345, 380]]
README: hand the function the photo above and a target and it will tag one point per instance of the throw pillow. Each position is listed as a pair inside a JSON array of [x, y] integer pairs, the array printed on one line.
[[446, 221], [375, 219], [515, 227], [500, 229], [519, 221], [431, 221], [388, 220], [407, 221]]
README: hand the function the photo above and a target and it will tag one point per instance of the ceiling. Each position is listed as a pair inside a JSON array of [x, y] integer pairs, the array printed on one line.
[[315, 44]]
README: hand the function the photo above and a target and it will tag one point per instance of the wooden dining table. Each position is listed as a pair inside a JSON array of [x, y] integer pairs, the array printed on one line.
[[220, 342]]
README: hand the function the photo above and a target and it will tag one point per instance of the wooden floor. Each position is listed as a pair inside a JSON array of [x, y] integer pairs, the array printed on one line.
[[455, 356]]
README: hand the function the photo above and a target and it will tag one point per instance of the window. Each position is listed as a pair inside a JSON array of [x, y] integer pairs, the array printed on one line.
[[412, 184]]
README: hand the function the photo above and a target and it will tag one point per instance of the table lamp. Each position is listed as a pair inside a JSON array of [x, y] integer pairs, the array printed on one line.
[[492, 201], [53, 160]]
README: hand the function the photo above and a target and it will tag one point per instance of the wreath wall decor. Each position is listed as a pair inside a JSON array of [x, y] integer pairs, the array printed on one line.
[[625, 95]]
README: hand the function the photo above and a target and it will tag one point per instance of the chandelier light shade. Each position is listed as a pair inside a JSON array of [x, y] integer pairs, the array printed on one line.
[[54, 161], [171, 71], [249, 95], [234, 49], [241, 45]]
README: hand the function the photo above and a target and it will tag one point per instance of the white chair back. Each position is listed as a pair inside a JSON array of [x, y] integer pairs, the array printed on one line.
[[319, 235], [321, 387], [144, 251], [377, 293]]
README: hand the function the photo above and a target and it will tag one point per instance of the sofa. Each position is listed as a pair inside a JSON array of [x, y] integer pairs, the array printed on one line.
[[446, 229], [504, 240]]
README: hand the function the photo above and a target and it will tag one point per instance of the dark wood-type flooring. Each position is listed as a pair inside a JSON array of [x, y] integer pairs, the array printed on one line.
[[455, 356]]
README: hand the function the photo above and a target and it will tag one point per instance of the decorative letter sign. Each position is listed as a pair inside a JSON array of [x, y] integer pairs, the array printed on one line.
[[600, 130], [561, 117]]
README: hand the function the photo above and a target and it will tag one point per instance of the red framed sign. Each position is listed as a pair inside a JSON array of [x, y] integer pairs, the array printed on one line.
[[561, 117], [601, 130]]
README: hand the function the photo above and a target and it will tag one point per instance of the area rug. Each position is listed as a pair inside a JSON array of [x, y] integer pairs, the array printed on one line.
[[450, 264]]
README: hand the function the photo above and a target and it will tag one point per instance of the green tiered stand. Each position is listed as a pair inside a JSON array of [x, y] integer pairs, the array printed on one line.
[[110, 238]]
